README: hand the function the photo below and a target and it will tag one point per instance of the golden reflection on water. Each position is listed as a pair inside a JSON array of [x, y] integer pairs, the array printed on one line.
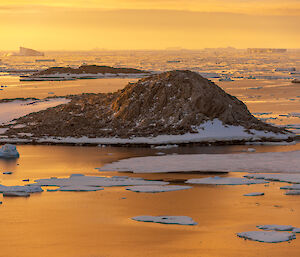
[[81, 224]]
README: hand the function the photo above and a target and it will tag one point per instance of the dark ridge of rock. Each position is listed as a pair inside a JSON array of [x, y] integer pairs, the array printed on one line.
[[89, 69], [174, 102]]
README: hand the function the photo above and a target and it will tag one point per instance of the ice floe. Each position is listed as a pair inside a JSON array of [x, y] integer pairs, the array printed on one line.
[[249, 162], [156, 189], [289, 178], [291, 187], [292, 192], [25, 189], [267, 236], [179, 220], [276, 227], [16, 194], [9, 151], [76, 182], [79, 188], [225, 181], [254, 194]]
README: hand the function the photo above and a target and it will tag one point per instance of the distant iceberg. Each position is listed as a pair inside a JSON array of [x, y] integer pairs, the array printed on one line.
[[26, 52]]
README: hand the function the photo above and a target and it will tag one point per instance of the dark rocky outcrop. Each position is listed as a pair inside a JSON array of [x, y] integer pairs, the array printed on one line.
[[174, 102], [88, 69]]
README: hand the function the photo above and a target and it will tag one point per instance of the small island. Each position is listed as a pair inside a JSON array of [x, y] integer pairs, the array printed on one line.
[[83, 72], [178, 107]]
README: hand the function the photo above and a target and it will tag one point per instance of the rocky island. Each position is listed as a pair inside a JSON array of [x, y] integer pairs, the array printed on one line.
[[172, 107], [83, 72]]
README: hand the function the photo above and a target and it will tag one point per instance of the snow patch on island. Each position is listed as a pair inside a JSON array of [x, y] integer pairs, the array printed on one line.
[[16, 109]]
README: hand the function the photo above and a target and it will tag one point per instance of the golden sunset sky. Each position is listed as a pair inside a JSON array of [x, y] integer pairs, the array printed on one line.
[[145, 24]]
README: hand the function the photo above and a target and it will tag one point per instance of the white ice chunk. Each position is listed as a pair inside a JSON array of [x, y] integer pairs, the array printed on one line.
[[225, 181], [267, 236], [289, 178], [26, 189], [79, 181], [250, 162], [156, 189], [292, 187], [9, 151], [80, 188], [276, 227], [13, 194], [292, 192], [254, 194], [180, 220]]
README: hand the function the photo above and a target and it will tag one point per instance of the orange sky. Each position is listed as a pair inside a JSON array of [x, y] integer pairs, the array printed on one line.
[[145, 24]]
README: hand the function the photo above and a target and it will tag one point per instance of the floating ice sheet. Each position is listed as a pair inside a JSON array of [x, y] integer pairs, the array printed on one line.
[[267, 236], [156, 189], [77, 181], [80, 188], [225, 181], [27, 189], [292, 192], [276, 227], [254, 194], [249, 162], [289, 178], [180, 220]]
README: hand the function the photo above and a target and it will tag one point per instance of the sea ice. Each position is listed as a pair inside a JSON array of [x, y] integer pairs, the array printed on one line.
[[249, 162], [165, 146], [80, 188], [292, 187], [276, 227], [225, 181], [26, 189], [267, 236], [292, 192], [9, 151], [79, 181], [156, 189], [289, 178], [22, 194], [180, 220], [254, 194]]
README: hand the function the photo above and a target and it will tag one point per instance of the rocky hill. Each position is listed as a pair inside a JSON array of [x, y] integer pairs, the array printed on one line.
[[88, 69], [170, 103]]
